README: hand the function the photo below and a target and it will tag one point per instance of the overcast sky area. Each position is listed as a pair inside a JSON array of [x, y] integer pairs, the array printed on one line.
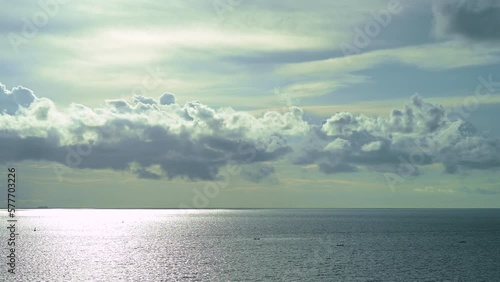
[[249, 103]]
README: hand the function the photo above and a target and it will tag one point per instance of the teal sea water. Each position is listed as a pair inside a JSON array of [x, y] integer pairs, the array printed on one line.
[[255, 245]]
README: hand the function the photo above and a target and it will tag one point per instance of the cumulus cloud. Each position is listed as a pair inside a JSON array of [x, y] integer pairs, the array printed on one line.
[[167, 99], [475, 19], [194, 141], [419, 134], [12, 100], [191, 141], [145, 100], [337, 145]]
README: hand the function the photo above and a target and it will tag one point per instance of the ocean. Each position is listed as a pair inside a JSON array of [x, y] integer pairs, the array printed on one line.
[[254, 245]]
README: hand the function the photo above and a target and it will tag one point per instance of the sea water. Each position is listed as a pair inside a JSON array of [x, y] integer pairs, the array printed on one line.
[[255, 245]]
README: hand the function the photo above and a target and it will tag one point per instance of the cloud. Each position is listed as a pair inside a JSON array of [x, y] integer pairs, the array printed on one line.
[[167, 99], [419, 134], [372, 147], [477, 20], [12, 100], [146, 174], [191, 141], [434, 190], [146, 100], [338, 144], [158, 138], [432, 56]]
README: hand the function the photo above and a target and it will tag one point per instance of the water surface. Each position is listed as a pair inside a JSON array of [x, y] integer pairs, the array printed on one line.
[[256, 245]]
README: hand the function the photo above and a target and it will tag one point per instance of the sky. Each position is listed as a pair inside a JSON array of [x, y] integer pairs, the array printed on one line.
[[251, 104]]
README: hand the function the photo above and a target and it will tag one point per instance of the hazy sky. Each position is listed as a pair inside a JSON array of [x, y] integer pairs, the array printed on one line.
[[247, 103]]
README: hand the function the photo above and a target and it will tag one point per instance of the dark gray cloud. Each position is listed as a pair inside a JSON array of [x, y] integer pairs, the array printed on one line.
[[475, 19]]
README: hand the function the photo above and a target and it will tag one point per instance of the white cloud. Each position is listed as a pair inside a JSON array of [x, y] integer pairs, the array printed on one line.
[[190, 141], [338, 144], [195, 140], [373, 146], [419, 134], [12, 100]]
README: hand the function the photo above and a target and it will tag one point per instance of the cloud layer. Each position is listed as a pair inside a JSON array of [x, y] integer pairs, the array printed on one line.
[[194, 141]]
